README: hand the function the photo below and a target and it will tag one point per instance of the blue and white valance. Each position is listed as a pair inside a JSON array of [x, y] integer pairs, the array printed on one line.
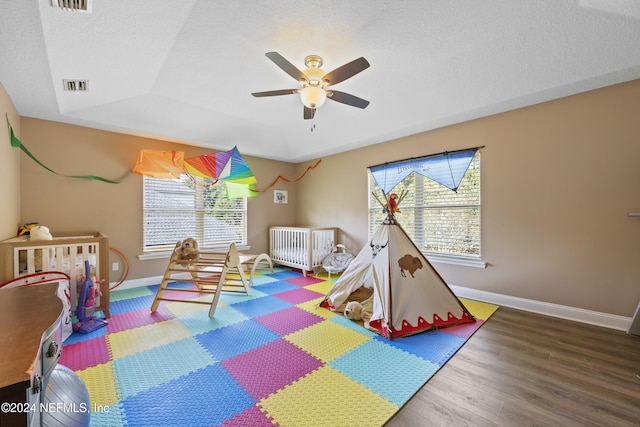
[[446, 168]]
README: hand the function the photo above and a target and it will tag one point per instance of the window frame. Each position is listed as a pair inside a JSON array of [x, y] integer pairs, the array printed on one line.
[[199, 210], [417, 231]]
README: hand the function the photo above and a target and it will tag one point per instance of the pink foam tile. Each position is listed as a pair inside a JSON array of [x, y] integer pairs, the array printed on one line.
[[250, 417], [298, 296], [304, 280], [82, 355], [133, 319], [465, 330], [284, 361], [183, 295], [284, 322]]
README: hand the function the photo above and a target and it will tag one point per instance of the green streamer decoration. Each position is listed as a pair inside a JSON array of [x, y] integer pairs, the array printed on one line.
[[15, 142]]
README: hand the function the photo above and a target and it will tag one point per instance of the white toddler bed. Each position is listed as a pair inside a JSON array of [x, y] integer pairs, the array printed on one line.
[[301, 247], [66, 253]]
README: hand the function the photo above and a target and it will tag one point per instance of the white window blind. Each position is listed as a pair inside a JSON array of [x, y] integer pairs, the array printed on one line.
[[439, 220], [174, 209]]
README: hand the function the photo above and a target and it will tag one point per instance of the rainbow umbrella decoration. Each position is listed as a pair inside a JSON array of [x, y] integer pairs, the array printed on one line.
[[226, 166]]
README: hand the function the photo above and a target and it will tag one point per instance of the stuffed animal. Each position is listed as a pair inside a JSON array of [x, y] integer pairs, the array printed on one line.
[[187, 251], [40, 232], [353, 310], [26, 228], [363, 310], [392, 203], [37, 233]]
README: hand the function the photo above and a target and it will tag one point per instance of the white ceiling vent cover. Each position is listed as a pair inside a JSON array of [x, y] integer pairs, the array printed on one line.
[[76, 85], [72, 5]]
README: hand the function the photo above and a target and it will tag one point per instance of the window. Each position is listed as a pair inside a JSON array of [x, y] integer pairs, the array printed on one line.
[[440, 221], [175, 209]]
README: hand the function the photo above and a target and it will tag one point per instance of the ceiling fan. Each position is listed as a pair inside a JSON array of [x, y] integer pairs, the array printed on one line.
[[314, 81]]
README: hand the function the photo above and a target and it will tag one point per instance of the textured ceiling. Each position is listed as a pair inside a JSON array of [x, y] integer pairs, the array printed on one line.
[[184, 70]]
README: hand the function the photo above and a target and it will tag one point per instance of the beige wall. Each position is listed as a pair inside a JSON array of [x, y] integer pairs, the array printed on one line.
[[557, 182], [9, 169], [68, 205]]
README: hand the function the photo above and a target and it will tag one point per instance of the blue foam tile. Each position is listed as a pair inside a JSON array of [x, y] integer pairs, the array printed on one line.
[[205, 397], [261, 306], [77, 337], [231, 298], [275, 287], [397, 374], [107, 416], [199, 323], [235, 339], [284, 274], [131, 304], [341, 320], [147, 369], [263, 279], [436, 347]]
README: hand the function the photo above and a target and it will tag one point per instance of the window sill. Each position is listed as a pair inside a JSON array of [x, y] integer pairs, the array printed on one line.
[[455, 260], [166, 254]]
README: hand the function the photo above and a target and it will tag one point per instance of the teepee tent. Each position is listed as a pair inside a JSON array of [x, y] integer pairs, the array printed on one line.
[[408, 294]]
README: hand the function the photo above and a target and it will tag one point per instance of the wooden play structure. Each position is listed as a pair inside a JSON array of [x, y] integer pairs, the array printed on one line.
[[211, 273]]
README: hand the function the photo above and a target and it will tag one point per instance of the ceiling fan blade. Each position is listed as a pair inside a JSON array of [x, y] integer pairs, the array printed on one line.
[[347, 70], [309, 113], [346, 98], [275, 92], [286, 66]]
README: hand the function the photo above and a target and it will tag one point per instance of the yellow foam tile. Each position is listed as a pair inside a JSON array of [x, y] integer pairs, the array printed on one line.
[[101, 385], [184, 308], [327, 397], [480, 310], [314, 341], [321, 287], [313, 307], [134, 340]]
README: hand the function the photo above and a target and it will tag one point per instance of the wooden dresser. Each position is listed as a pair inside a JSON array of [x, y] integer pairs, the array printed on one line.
[[31, 344]]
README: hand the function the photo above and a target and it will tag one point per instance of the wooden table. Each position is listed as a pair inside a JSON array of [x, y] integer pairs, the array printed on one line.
[[30, 345]]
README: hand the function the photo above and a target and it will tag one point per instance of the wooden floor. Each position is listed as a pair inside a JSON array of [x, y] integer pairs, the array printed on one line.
[[524, 369]]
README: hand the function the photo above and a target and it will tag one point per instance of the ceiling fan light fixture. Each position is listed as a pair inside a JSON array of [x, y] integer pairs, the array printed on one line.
[[313, 81], [313, 96]]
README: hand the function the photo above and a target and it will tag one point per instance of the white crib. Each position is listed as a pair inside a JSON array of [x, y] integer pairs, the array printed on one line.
[[301, 247], [65, 253]]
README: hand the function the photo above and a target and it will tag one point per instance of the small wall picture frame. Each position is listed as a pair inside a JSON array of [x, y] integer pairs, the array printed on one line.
[[280, 197]]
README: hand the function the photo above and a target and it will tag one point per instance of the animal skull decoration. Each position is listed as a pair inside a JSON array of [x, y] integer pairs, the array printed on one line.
[[376, 248]]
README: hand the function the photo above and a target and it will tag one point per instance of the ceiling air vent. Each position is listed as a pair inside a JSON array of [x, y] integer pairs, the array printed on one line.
[[76, 85], [72, 5]]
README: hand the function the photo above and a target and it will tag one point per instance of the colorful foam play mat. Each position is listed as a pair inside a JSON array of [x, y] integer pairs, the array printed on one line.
[[273, 357]]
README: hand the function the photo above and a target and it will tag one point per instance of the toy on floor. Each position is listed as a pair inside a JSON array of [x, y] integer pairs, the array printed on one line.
[[86, 306], [353, 310], [66, 389]]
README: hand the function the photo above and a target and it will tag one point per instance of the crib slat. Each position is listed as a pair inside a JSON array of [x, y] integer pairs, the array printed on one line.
[[301, 247], [31, 268]]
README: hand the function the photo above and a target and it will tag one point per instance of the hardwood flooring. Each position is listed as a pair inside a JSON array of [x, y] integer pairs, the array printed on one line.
[[525, 369]]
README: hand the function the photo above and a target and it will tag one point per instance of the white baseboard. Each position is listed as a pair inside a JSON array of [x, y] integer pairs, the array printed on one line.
[[606, 320]]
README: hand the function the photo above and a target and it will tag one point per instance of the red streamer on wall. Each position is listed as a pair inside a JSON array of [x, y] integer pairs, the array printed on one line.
[[280, 177]]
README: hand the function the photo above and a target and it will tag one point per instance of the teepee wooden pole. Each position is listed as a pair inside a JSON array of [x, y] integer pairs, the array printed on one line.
[[378, 199]]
